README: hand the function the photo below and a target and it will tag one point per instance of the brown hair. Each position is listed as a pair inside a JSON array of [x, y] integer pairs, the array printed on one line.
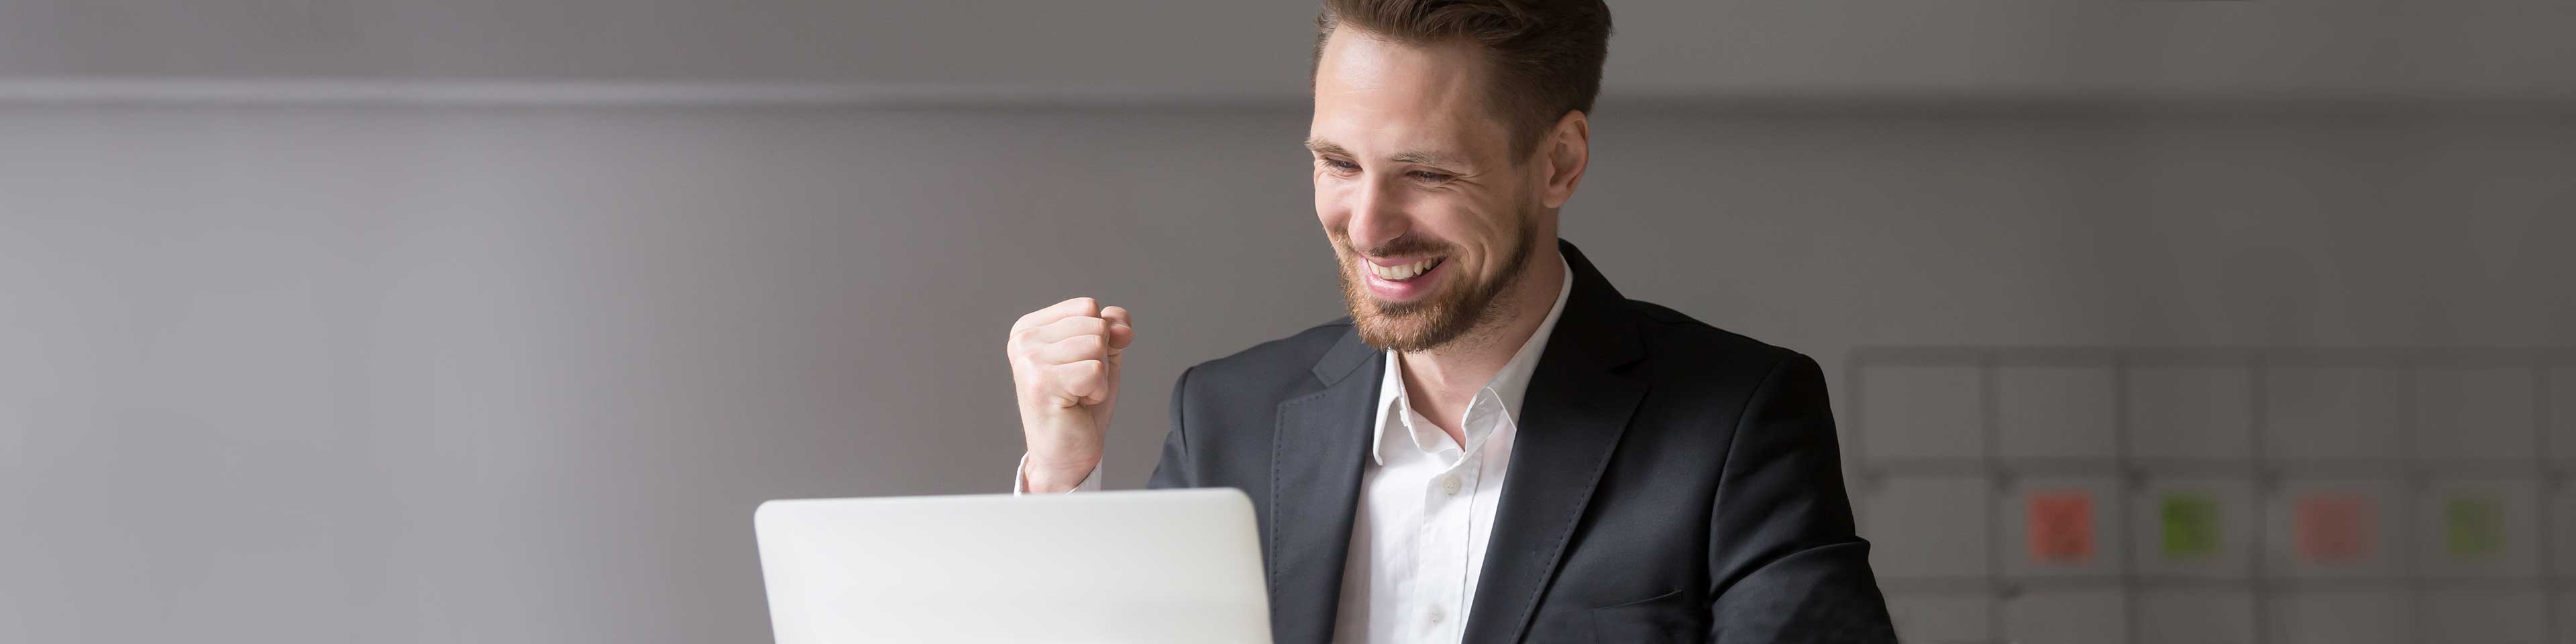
[[1546, 54]]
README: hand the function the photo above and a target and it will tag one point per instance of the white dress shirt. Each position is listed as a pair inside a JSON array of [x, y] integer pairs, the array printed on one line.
[[1426, 507]]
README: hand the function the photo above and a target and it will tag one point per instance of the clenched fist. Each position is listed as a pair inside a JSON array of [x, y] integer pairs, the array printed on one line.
[[1064, 366]]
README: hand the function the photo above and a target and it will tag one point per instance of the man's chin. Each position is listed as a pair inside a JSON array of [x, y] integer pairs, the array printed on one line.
[[1414, 324], [1389, 334], [1398, 310], [1402, 331]]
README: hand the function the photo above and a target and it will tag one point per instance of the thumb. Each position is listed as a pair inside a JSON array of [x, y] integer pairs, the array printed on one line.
[[1122, 329]]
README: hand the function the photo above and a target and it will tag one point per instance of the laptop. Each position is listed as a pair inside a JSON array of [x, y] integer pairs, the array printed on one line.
[[1145, 566]]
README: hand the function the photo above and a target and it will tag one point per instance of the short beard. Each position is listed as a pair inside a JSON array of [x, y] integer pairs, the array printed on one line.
[[1439, 320]]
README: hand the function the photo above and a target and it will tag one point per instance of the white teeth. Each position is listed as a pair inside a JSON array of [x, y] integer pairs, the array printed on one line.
[[1401, 273]]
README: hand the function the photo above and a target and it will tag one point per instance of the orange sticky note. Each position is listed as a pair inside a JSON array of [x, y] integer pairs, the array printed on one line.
[[2061, 526], [2335, 528]]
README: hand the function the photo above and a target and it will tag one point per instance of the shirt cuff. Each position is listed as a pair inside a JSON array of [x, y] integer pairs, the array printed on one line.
[[1020, 479]]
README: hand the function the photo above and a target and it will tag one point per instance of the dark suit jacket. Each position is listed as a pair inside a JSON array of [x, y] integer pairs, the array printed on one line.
[[1670, 481]]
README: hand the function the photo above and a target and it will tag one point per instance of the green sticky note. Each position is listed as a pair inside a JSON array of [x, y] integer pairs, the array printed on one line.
[[2476, 525], [2190, 524]]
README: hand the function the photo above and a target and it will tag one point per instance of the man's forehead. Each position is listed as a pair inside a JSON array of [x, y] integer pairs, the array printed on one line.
[[1400, 100], [1356, 63]]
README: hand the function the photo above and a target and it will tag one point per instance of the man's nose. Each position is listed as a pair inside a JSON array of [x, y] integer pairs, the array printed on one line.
[[1377, 216]]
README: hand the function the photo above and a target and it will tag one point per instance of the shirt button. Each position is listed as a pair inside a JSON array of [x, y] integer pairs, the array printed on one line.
[[1449, 484], [1436, 615]]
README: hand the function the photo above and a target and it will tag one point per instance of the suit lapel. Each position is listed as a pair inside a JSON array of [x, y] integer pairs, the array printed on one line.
[[1571, 420], [1316, 455]]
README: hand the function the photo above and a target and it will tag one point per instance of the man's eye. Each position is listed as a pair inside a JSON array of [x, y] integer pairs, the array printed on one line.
[[1428, 176], [1340, 165]]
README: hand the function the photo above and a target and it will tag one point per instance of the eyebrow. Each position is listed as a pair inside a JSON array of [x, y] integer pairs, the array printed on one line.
[[1424, 157], [1427, 157], [1320, 146]]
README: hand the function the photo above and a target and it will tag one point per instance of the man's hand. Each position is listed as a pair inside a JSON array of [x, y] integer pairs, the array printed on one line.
[[1064, 365]]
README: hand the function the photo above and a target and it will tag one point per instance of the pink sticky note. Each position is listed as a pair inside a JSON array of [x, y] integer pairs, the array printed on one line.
[[2061, 526], [2336, 528]]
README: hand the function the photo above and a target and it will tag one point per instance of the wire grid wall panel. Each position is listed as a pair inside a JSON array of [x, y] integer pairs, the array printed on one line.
[[2218, 495]]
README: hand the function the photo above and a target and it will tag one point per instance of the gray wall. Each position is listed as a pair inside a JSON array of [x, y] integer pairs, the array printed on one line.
[[521, 374], [366, 320]]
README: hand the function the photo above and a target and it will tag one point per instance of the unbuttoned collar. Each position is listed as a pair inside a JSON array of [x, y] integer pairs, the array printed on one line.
[[1507, 388]]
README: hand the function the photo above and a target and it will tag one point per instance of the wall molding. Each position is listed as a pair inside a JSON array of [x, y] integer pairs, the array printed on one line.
[[545, 93], [2016, 102]]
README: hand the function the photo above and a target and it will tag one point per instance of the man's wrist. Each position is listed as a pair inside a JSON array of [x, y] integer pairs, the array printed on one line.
[[1044, 476]]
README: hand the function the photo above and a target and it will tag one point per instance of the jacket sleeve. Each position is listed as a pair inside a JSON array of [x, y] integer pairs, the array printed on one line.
[[1783, 555], [1173, 471]]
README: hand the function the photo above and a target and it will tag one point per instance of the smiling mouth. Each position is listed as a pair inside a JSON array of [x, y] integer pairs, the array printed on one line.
[[1403, 272]]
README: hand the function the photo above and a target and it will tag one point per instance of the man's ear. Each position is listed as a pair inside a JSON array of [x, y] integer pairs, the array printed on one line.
[[1566, 151]]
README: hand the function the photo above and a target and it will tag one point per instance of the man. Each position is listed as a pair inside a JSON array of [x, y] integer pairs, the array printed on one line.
[[1495, 445]]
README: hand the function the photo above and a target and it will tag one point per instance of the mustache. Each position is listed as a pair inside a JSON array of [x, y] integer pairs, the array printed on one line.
[[1405, 245]]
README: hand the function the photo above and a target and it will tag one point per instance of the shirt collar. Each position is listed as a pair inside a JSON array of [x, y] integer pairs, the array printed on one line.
[[1508, 386]]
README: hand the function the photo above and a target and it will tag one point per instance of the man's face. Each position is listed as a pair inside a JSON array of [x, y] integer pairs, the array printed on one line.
[[1418, 189]]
